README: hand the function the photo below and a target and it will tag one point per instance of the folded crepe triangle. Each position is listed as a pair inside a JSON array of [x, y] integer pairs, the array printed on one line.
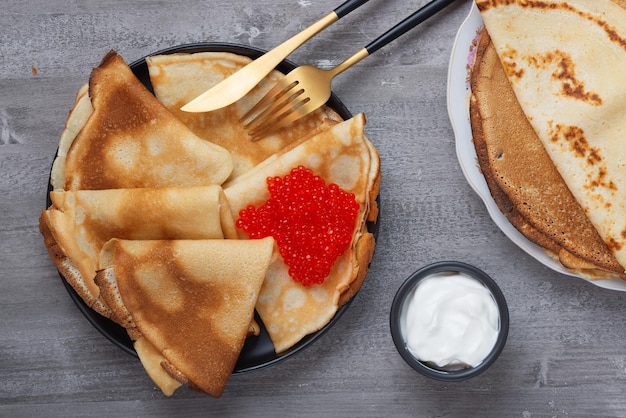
[[178, 78], [80, 222], [187, 304], [126, 138], [342, 155]]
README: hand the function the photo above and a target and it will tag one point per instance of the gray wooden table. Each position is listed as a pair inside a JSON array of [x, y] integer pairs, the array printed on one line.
[[565, 354]]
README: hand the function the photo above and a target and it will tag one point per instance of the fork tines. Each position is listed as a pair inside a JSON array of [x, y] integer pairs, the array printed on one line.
[[276, 109]]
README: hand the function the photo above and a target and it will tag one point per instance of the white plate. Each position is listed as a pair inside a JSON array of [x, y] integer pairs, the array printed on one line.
[[458, 110]]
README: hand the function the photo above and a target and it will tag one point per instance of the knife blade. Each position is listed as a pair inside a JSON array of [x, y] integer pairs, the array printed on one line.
[[242, 81]]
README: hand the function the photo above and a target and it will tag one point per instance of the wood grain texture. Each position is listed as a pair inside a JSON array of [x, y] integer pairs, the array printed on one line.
[[564, 355]]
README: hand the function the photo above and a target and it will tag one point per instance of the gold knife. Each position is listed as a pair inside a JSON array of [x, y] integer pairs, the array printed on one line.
[[241, 82]]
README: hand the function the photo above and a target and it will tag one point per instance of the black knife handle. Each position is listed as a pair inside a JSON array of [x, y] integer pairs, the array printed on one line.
[[348, 6]]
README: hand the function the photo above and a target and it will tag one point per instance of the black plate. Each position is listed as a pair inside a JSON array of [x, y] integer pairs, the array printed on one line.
[[257, 352]]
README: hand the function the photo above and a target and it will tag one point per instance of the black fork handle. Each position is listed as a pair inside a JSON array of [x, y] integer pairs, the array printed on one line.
[[407, 24]]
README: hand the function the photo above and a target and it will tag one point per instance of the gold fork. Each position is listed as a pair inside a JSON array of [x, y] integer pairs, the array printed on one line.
[[236, 86], [306, 88]]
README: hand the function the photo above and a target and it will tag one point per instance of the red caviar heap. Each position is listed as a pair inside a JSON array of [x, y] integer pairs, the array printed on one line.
[[312, 223]]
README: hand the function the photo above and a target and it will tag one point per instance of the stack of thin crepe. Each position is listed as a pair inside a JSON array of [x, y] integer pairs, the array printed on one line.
[[547, 118], [144, 202]]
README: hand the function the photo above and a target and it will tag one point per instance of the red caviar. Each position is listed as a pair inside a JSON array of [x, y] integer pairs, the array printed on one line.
[[311, 222]]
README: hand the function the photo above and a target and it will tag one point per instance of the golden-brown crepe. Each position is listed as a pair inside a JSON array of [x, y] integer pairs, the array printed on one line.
[[78, 116], [520, 174], [79, 222], [178, 78], [342, 155], [190, 301], [126, 138], [150, 242], [562, 59]]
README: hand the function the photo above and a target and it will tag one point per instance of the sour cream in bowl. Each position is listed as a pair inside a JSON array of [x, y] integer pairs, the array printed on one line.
[[449, 321]]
